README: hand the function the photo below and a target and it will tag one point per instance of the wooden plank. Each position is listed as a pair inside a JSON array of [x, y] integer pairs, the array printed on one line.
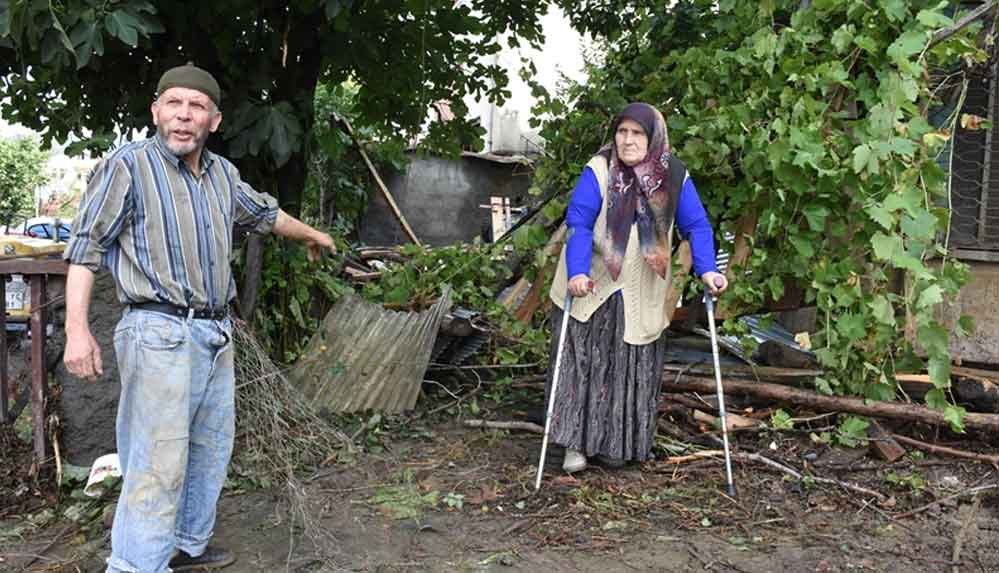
[[38, 374], [3, 352], [345, 126], [33, 266], [882, 445]]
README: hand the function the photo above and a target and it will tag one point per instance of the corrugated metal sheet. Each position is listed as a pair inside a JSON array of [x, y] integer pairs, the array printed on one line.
[[369, 358]]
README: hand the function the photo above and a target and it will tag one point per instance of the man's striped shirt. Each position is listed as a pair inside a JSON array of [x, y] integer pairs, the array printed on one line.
[[166, 234]]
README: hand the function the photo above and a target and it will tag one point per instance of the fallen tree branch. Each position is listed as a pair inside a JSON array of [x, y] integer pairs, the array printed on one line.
[[891, 410], [780, 467], [345, 126], [949, 31], [944, 450], [526, 426], [967, 492]]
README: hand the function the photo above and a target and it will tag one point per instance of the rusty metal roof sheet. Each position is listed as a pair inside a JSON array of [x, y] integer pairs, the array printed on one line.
[[368, 358]]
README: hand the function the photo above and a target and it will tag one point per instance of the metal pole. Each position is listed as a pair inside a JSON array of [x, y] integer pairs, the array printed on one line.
[[555, 376], [710, 305]]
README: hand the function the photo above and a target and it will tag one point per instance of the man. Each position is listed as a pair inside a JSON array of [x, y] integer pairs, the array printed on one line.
[[159, 214]]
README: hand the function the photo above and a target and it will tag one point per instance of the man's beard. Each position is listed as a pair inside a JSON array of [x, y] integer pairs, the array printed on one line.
[[181, 149]]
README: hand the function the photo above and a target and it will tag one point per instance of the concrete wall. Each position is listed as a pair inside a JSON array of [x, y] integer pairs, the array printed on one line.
[[980, 300], [440, 198]]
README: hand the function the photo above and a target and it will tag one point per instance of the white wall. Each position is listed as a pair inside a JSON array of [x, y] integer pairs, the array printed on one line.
[[562, 54]]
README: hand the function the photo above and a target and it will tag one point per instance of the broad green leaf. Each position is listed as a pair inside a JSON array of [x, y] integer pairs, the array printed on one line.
[[285, 132], [851, 326], [930, 296], [816, 216], [125, 26], [803, 246], [903, 147], [842, 38], [866, 43], [896, 10], [776, 285], [63, 37], [954, 415], [886, 247], [936, 399], [864, 160], [965, 325], [933, 19], [86, 38], [907, 45], [881, 215], [882, 310], [922, 227], [933, 338], [939, 369]]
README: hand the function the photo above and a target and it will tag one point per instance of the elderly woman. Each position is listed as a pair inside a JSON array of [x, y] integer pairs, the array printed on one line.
[[616, 265]]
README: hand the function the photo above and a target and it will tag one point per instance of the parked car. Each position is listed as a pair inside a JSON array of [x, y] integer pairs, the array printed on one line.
[[48, 227]]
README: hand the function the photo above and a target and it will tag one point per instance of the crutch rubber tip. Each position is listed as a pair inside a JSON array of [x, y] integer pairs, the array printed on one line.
[[731, 490]]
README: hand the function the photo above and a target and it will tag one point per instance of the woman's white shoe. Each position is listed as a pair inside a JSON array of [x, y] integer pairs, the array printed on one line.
[[574, 461]]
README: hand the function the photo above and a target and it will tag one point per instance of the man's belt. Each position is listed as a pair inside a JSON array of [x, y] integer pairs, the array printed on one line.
[[181, 311]]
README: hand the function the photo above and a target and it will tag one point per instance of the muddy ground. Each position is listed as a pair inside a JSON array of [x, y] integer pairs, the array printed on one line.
[[423, 493]]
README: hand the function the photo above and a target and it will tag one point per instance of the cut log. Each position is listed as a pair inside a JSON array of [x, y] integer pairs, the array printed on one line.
[[970, 386], [890, 410], [882, 445]]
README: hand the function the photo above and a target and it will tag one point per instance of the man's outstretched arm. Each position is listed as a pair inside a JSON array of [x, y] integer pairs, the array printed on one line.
[[315, 240]]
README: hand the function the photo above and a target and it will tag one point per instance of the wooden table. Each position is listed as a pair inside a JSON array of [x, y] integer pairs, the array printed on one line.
[[35, 272]]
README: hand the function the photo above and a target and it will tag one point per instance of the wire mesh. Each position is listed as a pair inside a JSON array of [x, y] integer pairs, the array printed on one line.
[[974, 163]]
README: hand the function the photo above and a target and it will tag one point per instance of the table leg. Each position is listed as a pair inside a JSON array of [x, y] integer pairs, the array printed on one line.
[[4, 407], [38, 378]]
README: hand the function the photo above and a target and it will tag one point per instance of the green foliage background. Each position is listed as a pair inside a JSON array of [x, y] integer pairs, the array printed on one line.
[[22, 169], [813, 117]]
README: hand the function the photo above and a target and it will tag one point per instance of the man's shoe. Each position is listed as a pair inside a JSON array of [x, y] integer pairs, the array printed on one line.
[[212, 558], [609, 462], [574, 461]]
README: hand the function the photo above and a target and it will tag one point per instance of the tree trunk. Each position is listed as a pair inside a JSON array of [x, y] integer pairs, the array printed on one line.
[[251, 278]]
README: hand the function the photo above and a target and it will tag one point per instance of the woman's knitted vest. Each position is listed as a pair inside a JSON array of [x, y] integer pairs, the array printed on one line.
[[646, 314]]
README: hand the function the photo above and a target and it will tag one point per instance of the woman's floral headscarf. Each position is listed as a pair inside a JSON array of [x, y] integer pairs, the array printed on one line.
[[644, 193]]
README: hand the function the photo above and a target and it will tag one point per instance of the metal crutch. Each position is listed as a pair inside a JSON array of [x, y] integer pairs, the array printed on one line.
[[555, 377], [709, 303]]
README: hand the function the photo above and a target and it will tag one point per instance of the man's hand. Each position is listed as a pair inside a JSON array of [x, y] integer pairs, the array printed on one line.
[[317, 244], [716, 282], [83, 355], [580, 286]]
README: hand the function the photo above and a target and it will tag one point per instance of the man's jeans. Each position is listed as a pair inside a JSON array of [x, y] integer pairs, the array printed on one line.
[[175, 429]]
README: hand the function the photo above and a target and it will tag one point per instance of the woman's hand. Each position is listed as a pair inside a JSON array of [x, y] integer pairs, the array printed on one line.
[[716, 282], [580, 286]]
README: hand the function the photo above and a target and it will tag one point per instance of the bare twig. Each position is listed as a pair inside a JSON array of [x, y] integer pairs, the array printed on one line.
[[783, 468], [964, 493], [969, 518], [526, 426], [941, 35], [994, 460]]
